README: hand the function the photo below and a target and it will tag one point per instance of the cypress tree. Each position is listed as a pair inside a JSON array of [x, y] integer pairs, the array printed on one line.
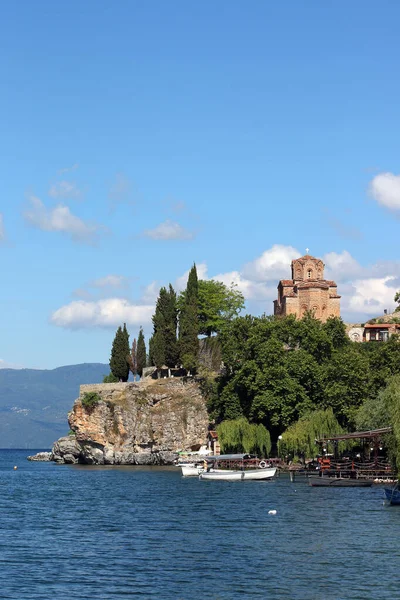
[[119, 365], [171, 324], [133, 359], [189, 324], [140, 353], [164, 346]]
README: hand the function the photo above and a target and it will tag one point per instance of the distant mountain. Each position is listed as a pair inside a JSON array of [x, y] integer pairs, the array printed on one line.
[[34, 404]]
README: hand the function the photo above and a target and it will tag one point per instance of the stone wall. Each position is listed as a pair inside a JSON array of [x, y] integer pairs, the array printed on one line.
[[145, 422]]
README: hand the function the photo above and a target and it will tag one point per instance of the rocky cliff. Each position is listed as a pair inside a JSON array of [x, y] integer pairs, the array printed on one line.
[[134, 423]]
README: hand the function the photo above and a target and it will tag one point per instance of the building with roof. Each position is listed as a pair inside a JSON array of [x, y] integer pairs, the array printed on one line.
[[373, 332], [307, 291]]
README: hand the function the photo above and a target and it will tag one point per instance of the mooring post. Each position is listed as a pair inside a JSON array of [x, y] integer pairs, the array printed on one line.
[[291, 475]]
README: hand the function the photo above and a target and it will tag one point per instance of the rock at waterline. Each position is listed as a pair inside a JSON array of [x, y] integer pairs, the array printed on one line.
[[41, 456]]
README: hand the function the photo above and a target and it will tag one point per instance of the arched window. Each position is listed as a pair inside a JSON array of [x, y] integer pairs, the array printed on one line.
[[315, 311], [309, 274]]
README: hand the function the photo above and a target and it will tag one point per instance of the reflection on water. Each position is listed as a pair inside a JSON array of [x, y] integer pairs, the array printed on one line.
[[145, 532]]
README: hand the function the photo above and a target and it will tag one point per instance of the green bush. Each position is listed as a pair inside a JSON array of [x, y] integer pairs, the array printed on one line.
[[110, 378], [90, 399]]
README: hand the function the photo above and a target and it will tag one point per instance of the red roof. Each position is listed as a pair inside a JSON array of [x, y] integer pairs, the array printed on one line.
[[286, 282], [379, 325], [314, 283]]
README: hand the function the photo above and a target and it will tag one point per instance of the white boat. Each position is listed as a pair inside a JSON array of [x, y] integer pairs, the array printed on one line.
[[245, 475], [222, 475], [191, 470], [260, 474]]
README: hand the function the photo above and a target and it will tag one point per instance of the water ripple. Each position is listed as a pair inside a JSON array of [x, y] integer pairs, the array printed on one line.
[[136, 532]]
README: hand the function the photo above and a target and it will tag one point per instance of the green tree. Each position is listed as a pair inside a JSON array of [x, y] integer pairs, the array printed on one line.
[[241, 436], [164, 345], [189, 324], [141, 353], [397, 299], [170, 331], [336, 330], [217, 305], [391, 398], [299, 438], [119, 354], [346, 383], [132, 359], [110, 378], [373, 414]]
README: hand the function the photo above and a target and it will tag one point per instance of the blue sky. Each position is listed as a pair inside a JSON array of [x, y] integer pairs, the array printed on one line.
[[138, 137]]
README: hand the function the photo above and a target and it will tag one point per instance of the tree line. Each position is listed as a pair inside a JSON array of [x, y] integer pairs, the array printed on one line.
[[283, 378], [297, 377], [205, 307]]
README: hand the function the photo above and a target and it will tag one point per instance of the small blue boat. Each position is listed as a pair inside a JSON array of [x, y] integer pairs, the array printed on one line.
[[392, 496]]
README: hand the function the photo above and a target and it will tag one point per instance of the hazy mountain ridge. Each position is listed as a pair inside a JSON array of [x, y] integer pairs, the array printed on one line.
[[34, 403]]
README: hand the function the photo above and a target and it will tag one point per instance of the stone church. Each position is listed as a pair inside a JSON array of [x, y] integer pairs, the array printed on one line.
[[307, 291]]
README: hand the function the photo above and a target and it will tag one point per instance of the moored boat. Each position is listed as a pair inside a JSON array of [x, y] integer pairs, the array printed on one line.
[[392, 496], [339, 482], [222, 475], [191, 470], [244, 475]]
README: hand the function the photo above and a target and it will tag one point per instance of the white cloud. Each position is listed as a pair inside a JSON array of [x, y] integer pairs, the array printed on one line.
[[6, 365], [341, 267], [150, 293], [2, 230], [372, 296], [110, 312], [169, 230], [114, 281], [68, 169], [60, 219], [385, 188], [272, 264], [64, 189]]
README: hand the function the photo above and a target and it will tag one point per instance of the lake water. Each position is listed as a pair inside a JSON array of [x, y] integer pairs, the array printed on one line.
[[134, 532]]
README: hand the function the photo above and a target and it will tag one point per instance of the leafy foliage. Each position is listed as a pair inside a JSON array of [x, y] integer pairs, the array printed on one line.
[[110, 378], [217, 305], [119, 354], [278, 370], [397, 299], [373, 414], [299, 438], [391, 398], [90, 399], [241, 436]]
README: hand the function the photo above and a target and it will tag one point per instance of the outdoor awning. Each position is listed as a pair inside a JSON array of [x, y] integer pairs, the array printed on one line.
[[373, 433]]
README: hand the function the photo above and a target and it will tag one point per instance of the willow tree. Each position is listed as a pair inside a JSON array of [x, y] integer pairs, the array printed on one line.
[[300, 438], [239, 435], [391, 398]]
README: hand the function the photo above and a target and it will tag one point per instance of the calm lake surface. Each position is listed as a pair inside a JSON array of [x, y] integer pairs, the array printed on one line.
[[135, 532]]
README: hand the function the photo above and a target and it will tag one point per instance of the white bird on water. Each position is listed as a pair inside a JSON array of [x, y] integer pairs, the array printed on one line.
[[272, 512]]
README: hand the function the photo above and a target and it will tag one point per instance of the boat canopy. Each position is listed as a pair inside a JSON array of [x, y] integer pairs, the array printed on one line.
[[230, 457]]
